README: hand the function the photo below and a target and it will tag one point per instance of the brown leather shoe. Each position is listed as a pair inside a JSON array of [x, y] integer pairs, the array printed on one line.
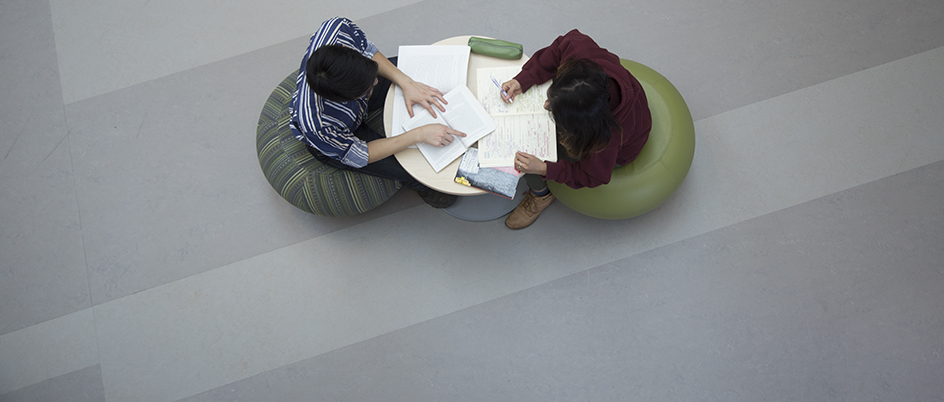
[[528, 210]]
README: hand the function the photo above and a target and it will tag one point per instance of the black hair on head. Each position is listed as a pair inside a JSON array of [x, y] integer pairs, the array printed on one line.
[[579, 100], [339, 73]]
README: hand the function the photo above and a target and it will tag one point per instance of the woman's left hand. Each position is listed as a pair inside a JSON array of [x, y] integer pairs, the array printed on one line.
[[417, 93], [527, 163]]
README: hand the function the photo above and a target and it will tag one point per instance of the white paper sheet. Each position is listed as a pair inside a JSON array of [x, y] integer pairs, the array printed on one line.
[[441, 67]]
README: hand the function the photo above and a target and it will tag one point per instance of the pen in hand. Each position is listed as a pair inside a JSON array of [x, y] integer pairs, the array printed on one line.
[[500, 88]]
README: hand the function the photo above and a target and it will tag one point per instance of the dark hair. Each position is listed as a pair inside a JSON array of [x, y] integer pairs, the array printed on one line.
[[339, 73], [579, 100]]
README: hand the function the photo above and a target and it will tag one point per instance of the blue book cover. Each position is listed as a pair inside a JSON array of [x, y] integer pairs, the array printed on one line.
[[498, 181]]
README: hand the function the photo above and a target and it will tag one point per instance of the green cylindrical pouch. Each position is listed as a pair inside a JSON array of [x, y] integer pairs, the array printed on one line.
[[496, 48]]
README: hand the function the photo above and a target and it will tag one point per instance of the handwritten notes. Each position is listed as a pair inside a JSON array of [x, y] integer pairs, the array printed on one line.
[[518, 133], [523, 125]]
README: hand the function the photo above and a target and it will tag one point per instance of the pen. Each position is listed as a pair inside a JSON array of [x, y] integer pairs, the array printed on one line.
[[499, 87]]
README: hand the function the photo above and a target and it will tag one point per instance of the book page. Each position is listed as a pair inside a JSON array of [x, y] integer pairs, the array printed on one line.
[[422, 118], [465, 114], [441, 67], [440, 157]]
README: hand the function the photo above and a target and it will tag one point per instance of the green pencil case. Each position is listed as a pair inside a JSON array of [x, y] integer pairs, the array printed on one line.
[[496, 48]]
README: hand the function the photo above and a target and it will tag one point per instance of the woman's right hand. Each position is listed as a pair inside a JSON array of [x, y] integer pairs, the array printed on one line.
[[513, 88], [437, 135]]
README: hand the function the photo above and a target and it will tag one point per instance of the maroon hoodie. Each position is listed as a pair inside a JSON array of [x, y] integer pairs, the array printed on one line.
[[627, 101]]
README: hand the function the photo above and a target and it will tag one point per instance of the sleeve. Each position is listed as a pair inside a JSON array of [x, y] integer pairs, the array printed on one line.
[[334, 142], [343, 146], [353, 37], [342, 31], [593, 171], [543, 65]]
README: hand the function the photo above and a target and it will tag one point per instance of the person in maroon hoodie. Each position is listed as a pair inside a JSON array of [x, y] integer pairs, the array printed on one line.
[[601, 114]]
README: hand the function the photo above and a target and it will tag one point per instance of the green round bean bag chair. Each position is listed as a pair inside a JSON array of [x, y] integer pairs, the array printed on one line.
[[300, 178], [649, 180]]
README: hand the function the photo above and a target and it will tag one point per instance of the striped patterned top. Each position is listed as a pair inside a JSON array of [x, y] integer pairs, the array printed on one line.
[[326, 125]]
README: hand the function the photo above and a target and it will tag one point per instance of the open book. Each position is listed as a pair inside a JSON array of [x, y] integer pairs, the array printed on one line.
[[523, 125], [463, 113]]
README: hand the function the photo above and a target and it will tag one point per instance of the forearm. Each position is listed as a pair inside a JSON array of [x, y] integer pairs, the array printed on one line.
[[384, 147], [545, 62], [541, 67], [436, 135]]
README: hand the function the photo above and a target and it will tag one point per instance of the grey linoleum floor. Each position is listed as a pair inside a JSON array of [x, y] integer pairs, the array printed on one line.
[[144, 257]]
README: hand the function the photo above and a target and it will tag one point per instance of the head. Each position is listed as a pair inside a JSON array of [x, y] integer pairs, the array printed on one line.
[[339, 73], [579, 99]]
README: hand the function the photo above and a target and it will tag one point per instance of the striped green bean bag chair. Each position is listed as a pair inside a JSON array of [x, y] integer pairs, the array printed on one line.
[[303, 181], [648, 181]]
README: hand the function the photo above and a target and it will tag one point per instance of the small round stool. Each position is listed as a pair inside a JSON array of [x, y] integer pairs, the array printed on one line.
[[301, 179], [648, 181]]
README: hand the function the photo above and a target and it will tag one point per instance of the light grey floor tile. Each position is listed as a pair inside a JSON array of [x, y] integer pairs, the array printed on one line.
[[721, 55], [47, 350], [437, 265], [829, 300], [80, 386], [834, 299], [109, 45], [125, 230], [169, 178], [42, 265]]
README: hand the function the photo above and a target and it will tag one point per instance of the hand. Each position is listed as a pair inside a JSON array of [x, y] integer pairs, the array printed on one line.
[[513, 88], [416, 93], [526, 163], [437, 135]]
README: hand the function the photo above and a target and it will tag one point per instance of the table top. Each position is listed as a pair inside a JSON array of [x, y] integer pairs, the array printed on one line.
[[412, 160]]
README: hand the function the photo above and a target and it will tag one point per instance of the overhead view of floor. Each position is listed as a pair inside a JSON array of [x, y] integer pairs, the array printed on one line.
[[144, 256]]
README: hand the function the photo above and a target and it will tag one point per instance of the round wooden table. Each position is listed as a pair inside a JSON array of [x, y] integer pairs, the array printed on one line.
[[473, 204]]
